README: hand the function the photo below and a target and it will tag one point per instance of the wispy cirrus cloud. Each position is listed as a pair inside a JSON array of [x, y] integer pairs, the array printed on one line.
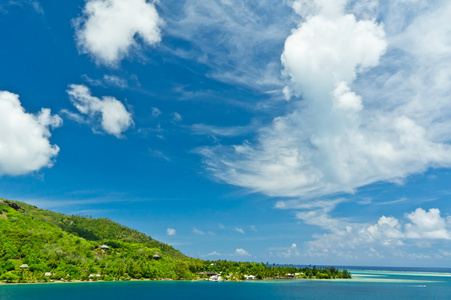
[[107, 81], [367, 106], [203, 129], [197, 231], [240, 230], [239, 40], [30, 3]]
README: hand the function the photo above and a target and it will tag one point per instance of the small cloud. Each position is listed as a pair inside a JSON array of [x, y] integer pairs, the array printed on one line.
[[285, 252], [365, 201], [32, 3], [159, 154], [221, 226], [155, 112], [197, 231], [170, 231], [176, 117], [214, 253], [211, 233], [241, 252], [240, 230], [253, 228], [202, 129], [111, 30], [107, 81], [113, 116], [92, 82], [403, 199], [116, 81]]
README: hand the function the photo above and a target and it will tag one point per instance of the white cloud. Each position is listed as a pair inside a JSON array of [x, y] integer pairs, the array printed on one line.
[[170, 231], [240, 230], [286, 252], [110, 112], [113, 80], [428, 225], [197, 231], [31, 3], [329, 49], [239, 40], [253, 228], [176, 117], [107, 81], [367, 107], [387, 235], [241, 252], [159, 154], [220, 131], [24, 137], [108, 28], [221, 226], [214, 253], [389, 239], [155, 112]]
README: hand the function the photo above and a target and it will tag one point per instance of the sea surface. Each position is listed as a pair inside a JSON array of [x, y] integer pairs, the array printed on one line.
[[367, 283]]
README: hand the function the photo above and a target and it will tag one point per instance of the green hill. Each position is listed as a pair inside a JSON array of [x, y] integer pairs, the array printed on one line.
[[38, 245]]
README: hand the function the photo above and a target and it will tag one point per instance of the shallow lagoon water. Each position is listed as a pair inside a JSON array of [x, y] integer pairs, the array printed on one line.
[[364, 285]]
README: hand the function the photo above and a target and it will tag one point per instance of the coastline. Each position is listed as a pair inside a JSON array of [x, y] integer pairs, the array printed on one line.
[[171, 280], [387, 288], [358, 276]]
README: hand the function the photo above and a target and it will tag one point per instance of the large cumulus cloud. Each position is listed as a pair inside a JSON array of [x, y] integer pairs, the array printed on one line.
[[368, 107], [24, 137]]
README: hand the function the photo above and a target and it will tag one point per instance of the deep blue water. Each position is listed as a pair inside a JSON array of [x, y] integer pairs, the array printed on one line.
[[374, 284]]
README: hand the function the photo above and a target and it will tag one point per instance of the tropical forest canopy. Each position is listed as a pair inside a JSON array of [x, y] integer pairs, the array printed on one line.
[[38, 245]]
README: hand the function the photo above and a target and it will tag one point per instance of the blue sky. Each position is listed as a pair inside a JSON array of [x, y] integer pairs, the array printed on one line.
[[305, 132]]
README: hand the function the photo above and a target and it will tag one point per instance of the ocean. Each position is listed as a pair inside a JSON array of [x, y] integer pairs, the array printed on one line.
[[367, 283]]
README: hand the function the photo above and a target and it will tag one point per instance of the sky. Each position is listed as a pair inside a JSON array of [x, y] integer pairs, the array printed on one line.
[[294, 131]]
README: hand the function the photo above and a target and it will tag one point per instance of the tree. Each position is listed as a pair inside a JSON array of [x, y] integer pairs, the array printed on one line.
[[10, 277]]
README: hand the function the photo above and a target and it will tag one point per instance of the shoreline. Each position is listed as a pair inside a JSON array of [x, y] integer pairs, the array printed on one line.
[[165, 279]]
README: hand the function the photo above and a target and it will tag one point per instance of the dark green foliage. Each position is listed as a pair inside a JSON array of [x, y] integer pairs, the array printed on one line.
[[68, 248]]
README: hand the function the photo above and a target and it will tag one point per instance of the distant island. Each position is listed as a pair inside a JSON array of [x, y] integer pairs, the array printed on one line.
[[43, 246]]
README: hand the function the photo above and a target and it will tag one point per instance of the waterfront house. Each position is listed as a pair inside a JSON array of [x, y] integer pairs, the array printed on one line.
[[208, 273]]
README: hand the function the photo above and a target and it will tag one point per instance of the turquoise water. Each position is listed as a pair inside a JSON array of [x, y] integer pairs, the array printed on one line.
[[377, 284]]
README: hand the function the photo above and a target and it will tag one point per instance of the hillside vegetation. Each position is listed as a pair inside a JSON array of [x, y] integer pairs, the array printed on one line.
[[38, 245]]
